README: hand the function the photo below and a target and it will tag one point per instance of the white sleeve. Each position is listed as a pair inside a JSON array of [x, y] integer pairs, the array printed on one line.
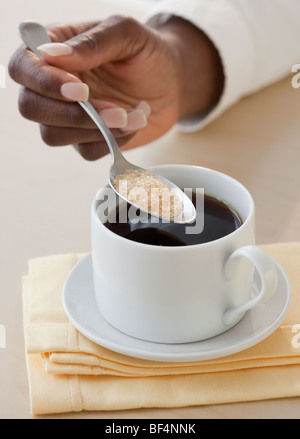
[[258, 42]]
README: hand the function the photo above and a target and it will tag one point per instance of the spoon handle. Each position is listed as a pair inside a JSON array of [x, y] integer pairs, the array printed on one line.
[[33, 35], [109, 138]]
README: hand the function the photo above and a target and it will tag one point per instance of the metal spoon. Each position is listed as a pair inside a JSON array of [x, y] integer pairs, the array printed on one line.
[[33, 35]]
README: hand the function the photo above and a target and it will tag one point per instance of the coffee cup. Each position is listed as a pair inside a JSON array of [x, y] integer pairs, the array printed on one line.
[[180, 294]]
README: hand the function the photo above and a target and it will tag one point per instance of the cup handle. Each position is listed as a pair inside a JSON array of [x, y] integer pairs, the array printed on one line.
[[267, 272]]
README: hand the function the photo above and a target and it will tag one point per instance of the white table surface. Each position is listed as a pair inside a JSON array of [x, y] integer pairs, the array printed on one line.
[[45, 194]]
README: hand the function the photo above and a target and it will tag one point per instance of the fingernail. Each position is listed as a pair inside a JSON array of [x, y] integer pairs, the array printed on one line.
[[56, 49], [114, 117], [136, 120], [145, 107], [76, 91]]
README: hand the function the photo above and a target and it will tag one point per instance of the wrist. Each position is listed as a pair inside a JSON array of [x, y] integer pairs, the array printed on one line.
[[201, 75]]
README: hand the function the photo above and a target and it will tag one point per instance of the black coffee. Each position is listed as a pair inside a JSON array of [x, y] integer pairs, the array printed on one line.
[[219, 220]]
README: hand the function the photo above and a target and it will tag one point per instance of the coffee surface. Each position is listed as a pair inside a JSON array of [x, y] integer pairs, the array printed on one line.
[[219, 220]]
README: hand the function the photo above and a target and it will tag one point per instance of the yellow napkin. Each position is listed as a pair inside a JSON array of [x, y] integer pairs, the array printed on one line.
[[69, 373]]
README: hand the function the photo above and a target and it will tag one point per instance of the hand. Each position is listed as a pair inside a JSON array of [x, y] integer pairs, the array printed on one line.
[[141, 80]]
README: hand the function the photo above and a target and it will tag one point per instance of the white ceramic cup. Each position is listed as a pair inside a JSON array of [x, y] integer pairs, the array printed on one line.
[[182, 294]]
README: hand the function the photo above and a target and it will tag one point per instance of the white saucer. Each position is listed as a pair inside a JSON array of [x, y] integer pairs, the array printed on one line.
[[81, 309]]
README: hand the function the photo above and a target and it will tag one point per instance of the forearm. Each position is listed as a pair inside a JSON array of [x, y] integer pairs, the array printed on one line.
[[257, 42], [201, 71]]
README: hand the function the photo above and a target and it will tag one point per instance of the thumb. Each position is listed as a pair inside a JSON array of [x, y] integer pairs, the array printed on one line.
[[114, 39]]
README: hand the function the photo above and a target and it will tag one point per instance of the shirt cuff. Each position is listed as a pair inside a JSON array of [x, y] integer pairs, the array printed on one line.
[[228, 31]]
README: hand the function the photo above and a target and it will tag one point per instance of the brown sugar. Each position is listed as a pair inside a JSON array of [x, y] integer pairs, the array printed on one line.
[[148, 192]]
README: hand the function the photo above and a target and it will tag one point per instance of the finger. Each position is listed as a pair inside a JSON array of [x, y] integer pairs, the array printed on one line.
[[52, 112], [136, 120], [114, 39], [92, 151], [62, 32], [24, 64], [61, 136], [27, 69], [49, 111], [95, 150]]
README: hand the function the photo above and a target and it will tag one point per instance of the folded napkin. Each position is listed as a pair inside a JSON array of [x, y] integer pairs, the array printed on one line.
[[69, 373]]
